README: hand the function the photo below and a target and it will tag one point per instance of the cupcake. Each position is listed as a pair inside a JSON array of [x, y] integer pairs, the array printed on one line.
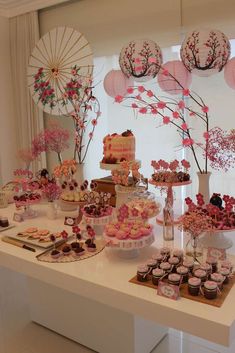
[[142, 273], [194, 284], [157, 273]]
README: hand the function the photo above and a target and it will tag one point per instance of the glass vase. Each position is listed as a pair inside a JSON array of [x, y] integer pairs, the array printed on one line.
[[204, 185], [168, 221], [194, 249]]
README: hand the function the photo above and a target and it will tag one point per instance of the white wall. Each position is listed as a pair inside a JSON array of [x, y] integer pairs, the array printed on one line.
[[8, 150]]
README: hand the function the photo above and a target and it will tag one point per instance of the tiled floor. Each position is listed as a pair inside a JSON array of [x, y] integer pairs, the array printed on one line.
[[19, 335]]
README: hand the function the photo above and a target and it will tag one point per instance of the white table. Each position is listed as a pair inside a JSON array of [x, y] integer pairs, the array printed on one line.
[[92, 302]]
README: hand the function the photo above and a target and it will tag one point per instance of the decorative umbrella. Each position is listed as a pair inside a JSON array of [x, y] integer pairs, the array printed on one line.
[[60, 70]]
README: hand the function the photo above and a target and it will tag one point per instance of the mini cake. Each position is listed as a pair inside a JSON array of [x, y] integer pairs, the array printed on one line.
[[194, 284], [157, 273], [79, 251], [91, 246], [117, 148], [66, 249]]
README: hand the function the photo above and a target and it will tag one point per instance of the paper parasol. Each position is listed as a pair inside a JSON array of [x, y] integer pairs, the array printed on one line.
[[61, 61]]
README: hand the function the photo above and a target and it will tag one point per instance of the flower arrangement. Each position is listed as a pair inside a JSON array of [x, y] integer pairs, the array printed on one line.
[[78, 94], [51, 191], [122, 175], [195, 223], [54, 139], [171, 111], [219, 210], [66, 169]]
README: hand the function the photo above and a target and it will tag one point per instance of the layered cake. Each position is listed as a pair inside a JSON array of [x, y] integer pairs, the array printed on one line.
[[118, 148]]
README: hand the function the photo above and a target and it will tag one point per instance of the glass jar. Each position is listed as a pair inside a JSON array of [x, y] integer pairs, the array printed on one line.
[[174, 261], [206, 267], [213, 262], [166, 253], [183, 271], [174, 278], [157, 274], [200, 274], [210, 290], [194, 284], [158, 257], [194, 249], [218, 278], [142, 273], [178, 253], [226, 273], [189, 264], [152, 264]]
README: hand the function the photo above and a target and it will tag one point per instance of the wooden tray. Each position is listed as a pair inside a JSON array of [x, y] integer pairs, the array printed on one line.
[[218, 302]]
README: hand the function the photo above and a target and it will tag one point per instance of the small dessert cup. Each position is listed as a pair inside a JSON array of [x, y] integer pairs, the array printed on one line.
[[183, 272], [210, 290], [55, 254], [91, 247], [79, 251], [226, 273], [66, 250], [152, 264], [142, 273], [174, 278], [213, 262], [200, 274], [194, 284], [157, 274], [218, 278]]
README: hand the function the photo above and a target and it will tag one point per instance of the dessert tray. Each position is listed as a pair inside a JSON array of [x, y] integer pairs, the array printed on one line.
[[71, 257], [37, 237], [184, 291]]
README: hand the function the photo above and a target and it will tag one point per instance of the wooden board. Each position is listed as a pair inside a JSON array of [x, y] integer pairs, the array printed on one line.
[[218, 302]]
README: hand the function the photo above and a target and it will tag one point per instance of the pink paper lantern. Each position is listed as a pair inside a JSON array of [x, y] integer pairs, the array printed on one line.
[[116, 83], [140, 59], [205, 52], [229, 73], [177, 69]]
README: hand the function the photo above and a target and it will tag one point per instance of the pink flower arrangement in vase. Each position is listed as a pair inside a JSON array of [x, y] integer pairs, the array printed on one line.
[[51, 191]]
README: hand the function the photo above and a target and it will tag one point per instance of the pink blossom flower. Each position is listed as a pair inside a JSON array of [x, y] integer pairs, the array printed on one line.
[[205, 109], [186, 92], [185, 164], [141, 89], [181, 105], [134, 105], [184, 126], [188, 142], [64, 234], [152, 60], [143, 110], [118, 99], [137, 60], [139, 68], [149, 93], [192, 114], [94, 122], [174, 165], [176, 115], [154, 111], [165, 72], [206, 135], [161, 105], [90, 135], [166, 120], [138, 97], [130, 90]]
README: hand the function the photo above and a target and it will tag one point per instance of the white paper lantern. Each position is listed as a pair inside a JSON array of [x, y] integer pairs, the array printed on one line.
[[140, 59], [205, 52]]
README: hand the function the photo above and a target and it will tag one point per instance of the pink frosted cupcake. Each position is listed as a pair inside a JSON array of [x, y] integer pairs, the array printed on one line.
[[121, 234]]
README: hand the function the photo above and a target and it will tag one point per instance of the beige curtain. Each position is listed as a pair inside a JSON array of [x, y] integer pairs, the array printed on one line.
[[24, 34]]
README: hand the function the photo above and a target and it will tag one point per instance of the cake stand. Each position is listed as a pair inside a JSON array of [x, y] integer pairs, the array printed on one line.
[[129, 248], [170, 197], [215, 238], [97, 223]]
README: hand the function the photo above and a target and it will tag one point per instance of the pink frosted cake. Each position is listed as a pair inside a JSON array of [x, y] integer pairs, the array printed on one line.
[[117, 148]]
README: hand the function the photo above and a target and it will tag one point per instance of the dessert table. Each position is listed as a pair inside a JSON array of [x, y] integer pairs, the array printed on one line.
[[93, 302]]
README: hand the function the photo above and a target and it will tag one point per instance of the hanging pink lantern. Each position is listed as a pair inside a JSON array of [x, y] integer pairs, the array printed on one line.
[[140, 59], [229, 73], [205, 52], [116, 83], [168, 83]]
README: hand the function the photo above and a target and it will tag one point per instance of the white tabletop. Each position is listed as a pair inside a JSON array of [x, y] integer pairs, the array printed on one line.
[[105, 277]]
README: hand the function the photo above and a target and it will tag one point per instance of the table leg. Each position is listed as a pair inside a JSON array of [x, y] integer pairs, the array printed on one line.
[[93, 324]]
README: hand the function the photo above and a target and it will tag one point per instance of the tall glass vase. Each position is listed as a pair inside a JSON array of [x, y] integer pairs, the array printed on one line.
[[204, 185], [194, 249]]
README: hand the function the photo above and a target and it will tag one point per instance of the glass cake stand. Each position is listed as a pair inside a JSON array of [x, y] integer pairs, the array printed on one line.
[[216, 238]]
